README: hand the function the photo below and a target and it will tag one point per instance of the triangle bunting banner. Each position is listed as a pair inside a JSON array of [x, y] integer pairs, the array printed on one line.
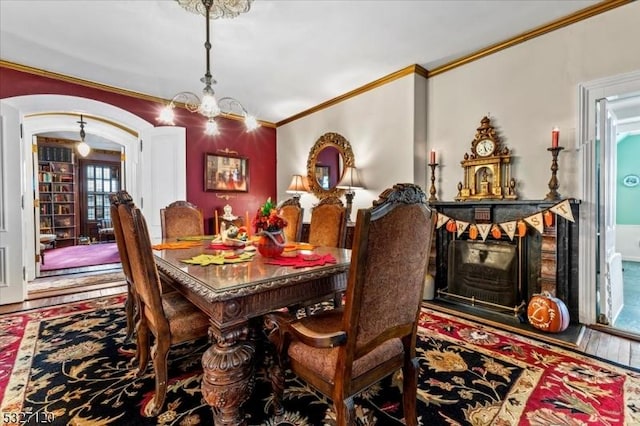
[[442, 219], [563, 209]]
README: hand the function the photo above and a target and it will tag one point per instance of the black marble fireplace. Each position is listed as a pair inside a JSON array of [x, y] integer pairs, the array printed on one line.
[[503, 274]]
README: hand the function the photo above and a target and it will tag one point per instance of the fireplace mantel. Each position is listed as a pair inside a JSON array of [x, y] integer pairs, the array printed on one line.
[[549, 259]]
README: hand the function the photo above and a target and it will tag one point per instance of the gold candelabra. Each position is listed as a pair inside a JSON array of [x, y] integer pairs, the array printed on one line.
[[432, 189], [553, 182]]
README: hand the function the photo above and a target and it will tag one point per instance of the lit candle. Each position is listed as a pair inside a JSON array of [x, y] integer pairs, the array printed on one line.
[[215, 221], [432, 157], [246, 223], [555, 136]]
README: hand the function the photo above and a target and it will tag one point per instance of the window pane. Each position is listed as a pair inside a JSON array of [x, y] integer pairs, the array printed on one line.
[[101, 181]]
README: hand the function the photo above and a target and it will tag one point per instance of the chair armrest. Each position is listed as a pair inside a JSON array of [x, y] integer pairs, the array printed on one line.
[[312, 331], [318, 339]]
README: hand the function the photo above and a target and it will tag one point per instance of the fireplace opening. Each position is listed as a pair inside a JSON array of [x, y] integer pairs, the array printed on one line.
[[485, 273]]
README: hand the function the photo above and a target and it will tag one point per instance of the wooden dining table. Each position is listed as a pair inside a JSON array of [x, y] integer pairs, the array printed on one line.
[[235, 296]]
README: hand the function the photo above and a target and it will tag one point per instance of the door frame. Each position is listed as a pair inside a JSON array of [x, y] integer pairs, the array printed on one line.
[[588, 94]]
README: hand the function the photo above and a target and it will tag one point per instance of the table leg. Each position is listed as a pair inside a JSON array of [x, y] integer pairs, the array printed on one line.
[[228, 374]]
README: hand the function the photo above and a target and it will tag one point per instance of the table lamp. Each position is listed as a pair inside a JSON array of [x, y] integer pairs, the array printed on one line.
[[298, 184], [350, 181]]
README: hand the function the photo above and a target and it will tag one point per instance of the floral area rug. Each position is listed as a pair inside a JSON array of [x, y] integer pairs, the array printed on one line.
[[71, 365]]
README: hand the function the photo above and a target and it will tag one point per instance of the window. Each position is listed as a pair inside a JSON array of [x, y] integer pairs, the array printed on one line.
[[101, 180]]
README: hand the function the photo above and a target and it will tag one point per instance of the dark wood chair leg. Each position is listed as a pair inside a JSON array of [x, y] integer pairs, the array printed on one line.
[[142, 343], [409, 391], [160, 355], [345, 412], [129, 309]]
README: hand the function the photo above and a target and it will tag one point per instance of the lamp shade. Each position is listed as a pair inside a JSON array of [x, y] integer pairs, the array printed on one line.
[[350, 179], [298, 184]]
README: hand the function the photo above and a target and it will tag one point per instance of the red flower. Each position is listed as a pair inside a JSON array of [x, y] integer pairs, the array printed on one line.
[[267, 218]]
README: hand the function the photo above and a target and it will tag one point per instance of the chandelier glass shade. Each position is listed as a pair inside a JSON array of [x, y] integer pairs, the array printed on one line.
[[207, 105], [83, 148]]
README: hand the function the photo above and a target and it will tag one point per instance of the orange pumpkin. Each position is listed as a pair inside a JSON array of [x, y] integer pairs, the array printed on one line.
[[522, 229], [451, 226], [548, 218], [548, 313], [473, 232], [496, 233]]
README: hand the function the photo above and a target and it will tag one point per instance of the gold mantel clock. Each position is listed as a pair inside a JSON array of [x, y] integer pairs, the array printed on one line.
[[487, 169]]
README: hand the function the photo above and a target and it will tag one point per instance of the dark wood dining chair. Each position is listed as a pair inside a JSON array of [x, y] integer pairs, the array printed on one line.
[[328, 226], [291, 211], [181, 219], [169, 317], [131, 308], [122, 197], [342, 352]]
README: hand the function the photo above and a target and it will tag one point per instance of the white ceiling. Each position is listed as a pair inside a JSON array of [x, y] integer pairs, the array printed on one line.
[[281, 58]]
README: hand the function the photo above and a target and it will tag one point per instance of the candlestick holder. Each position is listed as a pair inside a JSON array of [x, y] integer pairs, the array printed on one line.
[[553, 182], [432, 189]]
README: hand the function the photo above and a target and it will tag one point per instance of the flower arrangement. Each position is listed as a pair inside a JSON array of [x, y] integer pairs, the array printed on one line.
[[267, 218]]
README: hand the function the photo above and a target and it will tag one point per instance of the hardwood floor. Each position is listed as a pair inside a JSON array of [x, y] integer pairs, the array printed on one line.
[[600, 342], [90, 292]]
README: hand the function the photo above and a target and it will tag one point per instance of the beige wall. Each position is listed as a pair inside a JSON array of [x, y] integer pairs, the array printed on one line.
[[381, 127], [527, 89]]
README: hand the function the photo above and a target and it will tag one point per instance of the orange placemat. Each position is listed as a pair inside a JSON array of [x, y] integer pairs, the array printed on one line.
[[298, 246], [176, 245]]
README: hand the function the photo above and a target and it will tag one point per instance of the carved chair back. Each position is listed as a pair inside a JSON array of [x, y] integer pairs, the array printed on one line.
[[291, 211], [181, 219], [328, 225], [116, 199]]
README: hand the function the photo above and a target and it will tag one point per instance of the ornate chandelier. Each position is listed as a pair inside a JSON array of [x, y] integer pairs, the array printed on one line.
[[209, 106]]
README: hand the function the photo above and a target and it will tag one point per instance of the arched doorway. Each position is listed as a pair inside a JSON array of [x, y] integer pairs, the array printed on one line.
[[37, 114]]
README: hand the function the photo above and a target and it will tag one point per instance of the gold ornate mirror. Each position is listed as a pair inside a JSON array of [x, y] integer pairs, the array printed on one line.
[[326, 164]]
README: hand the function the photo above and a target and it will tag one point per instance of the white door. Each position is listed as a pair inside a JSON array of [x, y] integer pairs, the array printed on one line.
[[610, 285], [13, 286], [163, 173]]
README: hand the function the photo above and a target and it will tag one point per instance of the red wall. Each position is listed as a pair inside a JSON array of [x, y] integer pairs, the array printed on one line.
[[259, 146]]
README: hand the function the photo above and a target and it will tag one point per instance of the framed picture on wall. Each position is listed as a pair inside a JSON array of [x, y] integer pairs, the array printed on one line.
[[224, 172], [322, 176]]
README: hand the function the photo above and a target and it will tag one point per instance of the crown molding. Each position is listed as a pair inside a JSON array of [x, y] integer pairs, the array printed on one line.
[[111, 89], [544, 29], [411, 69], [578, 16]]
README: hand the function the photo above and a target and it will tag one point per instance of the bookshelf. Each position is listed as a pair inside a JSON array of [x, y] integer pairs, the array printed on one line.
[[57, 193]]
